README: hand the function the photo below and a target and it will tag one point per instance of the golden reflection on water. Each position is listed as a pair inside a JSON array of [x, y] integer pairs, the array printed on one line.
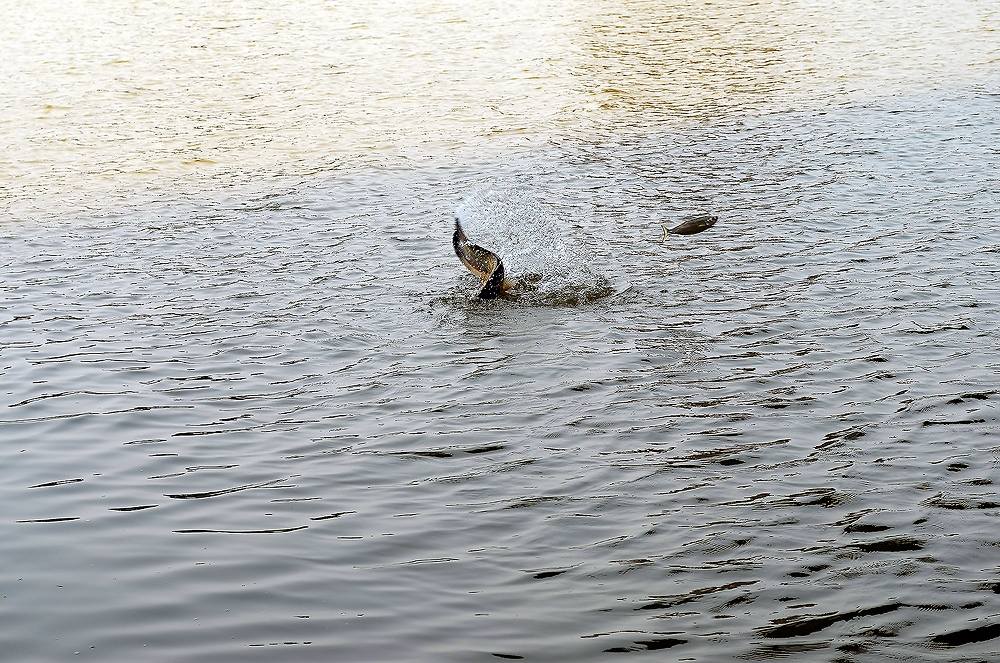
[[704, 60], [114, 97]]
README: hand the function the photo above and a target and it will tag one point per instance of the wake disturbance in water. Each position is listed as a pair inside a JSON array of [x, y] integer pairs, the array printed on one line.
[[538, 251]]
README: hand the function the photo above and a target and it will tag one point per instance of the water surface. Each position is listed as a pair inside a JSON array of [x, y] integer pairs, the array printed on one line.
[[249, 409]]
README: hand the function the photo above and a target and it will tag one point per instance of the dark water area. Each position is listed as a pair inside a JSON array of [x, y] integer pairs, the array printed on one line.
[[255, 413]]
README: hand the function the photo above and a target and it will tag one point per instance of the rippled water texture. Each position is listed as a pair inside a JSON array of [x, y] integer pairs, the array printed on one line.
[[251, 411]]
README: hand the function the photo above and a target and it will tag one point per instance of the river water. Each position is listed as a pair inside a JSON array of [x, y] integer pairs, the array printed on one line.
[[251, 411]]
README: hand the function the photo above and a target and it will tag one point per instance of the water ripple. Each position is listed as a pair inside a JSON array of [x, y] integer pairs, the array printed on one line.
[[250, 403]]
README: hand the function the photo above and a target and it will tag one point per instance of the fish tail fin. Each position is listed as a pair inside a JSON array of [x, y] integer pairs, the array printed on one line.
[[459, 240], [494, 286]]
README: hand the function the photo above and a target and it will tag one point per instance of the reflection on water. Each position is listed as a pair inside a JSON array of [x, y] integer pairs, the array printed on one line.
[[101, 101], [671, 61], [249, 410], [122, 101]]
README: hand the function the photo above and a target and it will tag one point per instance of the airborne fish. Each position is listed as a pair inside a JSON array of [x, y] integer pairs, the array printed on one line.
[[690, 225]]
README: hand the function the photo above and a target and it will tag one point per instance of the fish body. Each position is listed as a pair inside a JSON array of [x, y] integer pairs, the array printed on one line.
[[483, 263], [691, 225]]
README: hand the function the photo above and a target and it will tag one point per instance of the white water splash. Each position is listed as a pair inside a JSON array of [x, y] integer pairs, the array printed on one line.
[[533, 244]]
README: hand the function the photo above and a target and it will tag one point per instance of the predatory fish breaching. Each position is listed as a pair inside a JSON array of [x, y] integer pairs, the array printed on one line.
[[483, 263], [489, 268]]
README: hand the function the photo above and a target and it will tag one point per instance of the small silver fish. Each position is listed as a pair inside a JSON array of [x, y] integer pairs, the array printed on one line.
[[691, 225]]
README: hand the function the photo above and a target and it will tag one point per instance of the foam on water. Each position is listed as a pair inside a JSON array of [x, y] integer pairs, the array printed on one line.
[[537, 249]]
